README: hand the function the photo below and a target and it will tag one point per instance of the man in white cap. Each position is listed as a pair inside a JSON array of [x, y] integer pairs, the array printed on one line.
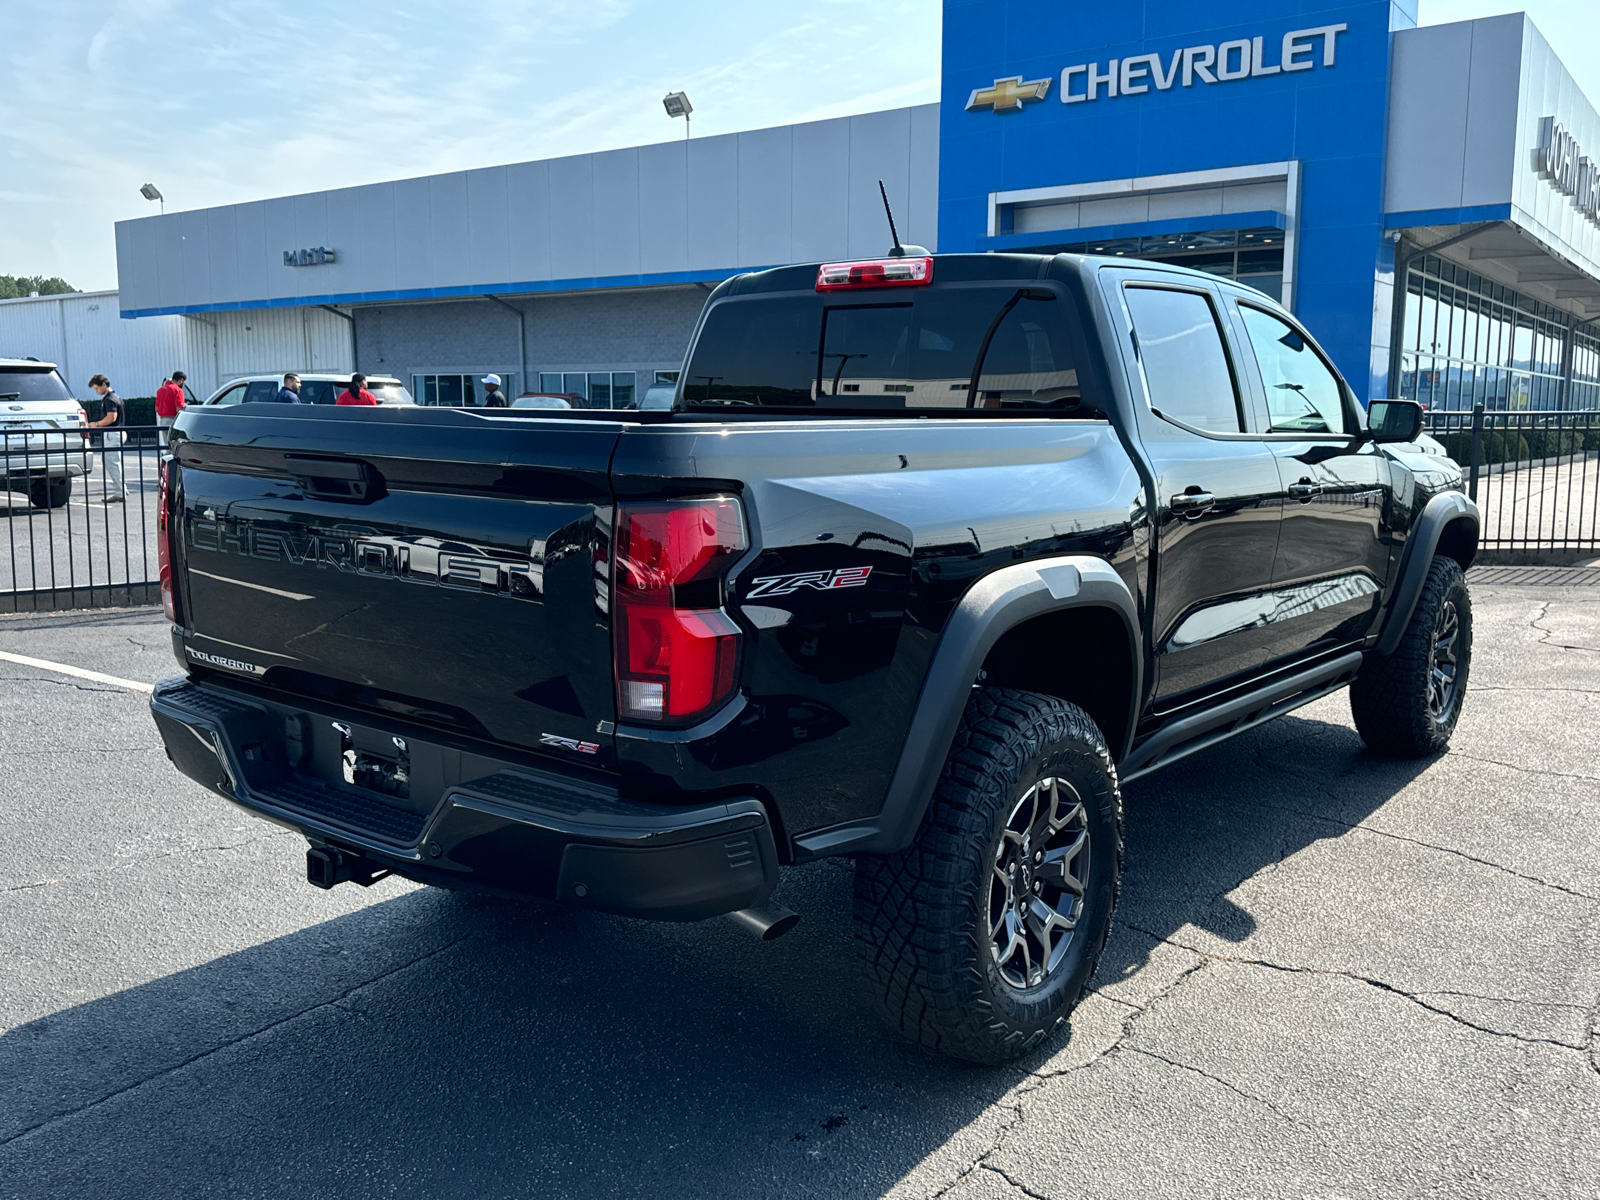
[[493, 397]]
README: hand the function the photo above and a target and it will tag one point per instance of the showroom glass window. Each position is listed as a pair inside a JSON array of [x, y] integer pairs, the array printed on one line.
[[599, 389], [459, 391], [1467, 340]]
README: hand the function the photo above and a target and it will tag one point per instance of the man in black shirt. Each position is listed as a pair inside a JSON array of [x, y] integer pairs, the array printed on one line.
[[493, 397], [113, 422]]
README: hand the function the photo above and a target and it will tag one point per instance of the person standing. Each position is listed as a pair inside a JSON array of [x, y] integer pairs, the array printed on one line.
[[493, 397], [113, 422], [357, 392], [289, 393], [169, 403]]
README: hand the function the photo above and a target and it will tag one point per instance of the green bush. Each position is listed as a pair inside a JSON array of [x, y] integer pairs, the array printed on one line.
[[140, 410], [1498, 446], [1548, 443]]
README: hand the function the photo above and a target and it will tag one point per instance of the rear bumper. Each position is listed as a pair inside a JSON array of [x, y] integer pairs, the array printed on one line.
[[53, 466], [507, 827]]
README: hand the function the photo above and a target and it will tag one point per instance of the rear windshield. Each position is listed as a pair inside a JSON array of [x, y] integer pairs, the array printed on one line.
[[941, 348], [32, 383]]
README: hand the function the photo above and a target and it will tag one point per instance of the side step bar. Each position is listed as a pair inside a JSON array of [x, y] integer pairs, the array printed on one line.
[[1185, 737]]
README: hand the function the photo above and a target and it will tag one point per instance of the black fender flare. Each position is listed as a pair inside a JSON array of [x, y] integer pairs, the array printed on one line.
[[1437, 515], [997, 603]]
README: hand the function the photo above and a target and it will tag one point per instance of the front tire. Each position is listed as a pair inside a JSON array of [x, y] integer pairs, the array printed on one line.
[[1407, 703], [979, 939]]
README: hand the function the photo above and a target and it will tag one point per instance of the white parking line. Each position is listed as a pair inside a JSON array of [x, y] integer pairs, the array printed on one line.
[[63, 669]]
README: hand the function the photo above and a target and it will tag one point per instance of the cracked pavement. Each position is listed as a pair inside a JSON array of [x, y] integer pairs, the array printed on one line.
[[1332, 975]]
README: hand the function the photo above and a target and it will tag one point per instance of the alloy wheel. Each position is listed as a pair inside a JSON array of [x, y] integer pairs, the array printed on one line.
[[1038, 881], [1442, 661]]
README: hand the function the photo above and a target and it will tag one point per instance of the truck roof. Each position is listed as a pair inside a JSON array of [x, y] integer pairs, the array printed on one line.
[[954, 268], [34, 363]]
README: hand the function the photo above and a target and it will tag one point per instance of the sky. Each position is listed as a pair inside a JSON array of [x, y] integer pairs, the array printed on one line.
[[220, 101]]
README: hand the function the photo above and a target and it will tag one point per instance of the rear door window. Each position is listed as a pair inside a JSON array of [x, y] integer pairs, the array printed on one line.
[[887, 350], [317, 391], [261, 390], [1187, 374]]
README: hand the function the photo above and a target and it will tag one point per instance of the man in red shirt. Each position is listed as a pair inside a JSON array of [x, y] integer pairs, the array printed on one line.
[[169, 403], [357, 392]]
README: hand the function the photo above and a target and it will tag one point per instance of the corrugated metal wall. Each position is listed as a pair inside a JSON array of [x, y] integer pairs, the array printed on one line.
[[84, 335], [268, 341]]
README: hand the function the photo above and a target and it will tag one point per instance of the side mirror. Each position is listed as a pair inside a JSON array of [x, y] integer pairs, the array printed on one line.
[[1394, 421]]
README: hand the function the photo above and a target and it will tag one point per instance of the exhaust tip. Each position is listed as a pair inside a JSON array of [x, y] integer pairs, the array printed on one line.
[[767, 922]]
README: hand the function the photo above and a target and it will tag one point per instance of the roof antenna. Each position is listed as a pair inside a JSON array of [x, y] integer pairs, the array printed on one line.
[[899, 251]]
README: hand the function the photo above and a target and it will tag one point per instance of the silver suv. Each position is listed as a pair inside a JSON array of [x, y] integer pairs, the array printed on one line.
[[315, 388], [42, 427]]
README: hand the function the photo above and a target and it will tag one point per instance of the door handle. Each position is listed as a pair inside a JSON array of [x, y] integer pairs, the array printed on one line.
[[1305, 490], [1193, 503]]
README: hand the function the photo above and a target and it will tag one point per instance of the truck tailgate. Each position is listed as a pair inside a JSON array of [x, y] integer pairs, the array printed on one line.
[[448, 567]]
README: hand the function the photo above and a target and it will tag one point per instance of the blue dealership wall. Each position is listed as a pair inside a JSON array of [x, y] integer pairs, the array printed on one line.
[[1332, 119]]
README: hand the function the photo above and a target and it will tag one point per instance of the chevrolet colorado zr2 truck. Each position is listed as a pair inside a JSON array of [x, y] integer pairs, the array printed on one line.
[[930, 556]]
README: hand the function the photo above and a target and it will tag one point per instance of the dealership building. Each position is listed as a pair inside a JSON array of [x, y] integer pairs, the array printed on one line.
[[1424, 198]]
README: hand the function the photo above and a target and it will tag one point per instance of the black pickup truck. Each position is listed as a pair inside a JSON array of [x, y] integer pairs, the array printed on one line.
[[931, 555]]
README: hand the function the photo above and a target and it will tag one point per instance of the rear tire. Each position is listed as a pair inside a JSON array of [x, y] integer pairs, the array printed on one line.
[[1027, 805], [49, 493], [1407, 703]]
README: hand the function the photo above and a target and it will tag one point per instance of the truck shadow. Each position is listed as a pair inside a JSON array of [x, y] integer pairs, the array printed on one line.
[[439, 1045]]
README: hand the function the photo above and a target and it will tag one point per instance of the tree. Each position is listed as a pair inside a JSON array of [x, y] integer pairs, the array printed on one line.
[[12, 286]]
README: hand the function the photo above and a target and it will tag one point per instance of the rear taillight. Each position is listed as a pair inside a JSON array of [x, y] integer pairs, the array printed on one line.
[[876, 273], [164, 540], [676, 649]]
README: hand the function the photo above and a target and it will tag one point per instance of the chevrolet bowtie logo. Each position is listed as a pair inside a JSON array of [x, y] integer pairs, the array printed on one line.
[[1007, 95]]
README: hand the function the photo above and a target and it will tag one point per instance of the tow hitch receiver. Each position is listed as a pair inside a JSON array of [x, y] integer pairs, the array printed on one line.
[[328, 865]]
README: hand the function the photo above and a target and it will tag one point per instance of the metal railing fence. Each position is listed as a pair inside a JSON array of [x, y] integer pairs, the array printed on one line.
[[69, 541], [1535, 476]]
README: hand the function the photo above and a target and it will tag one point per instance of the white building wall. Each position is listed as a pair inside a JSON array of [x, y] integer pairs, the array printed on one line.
[[269, 341], [84, 335], [626, 217], [1467, 99]]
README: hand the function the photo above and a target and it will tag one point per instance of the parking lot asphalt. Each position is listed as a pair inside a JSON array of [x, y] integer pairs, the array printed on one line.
[[1332, 975]]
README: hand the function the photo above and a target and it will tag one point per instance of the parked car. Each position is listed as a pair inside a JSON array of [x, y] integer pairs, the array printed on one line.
[[933, 555], [42, 434], [315, 388], [545, 400]]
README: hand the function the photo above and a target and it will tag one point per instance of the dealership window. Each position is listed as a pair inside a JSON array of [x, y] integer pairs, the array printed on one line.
[[1466, 340], [599, 389], [458, 391]]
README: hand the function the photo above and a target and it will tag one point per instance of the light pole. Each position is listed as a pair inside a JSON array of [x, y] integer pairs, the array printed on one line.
[[150, 192], [677, 105]]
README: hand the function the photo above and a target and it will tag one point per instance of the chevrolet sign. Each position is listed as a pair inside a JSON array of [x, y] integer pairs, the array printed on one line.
[[1242, 58], [1008, 95]]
